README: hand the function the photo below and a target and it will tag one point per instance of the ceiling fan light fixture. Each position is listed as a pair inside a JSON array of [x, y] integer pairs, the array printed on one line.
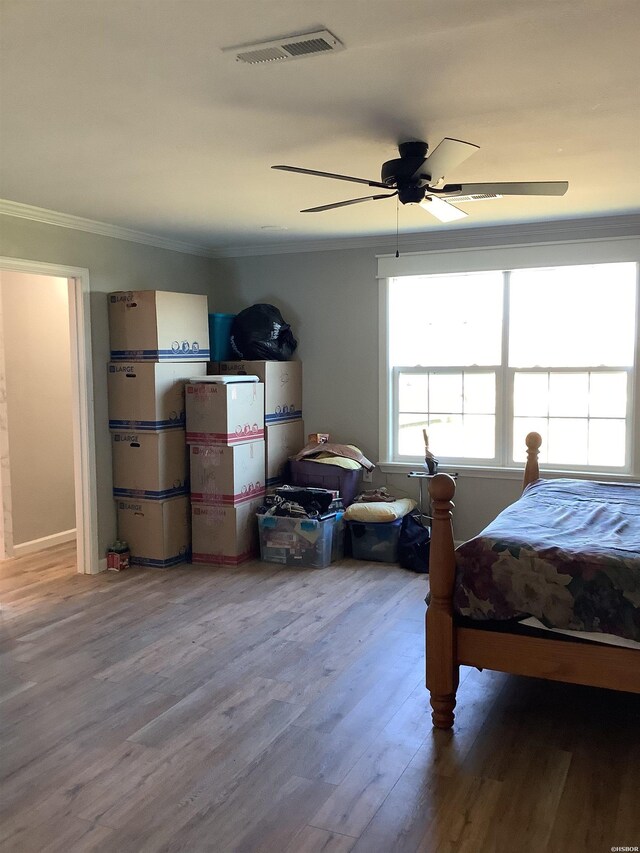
[[442, 210]]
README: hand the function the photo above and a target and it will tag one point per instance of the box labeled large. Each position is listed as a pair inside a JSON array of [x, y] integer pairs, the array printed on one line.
[[282, 441], [149, 395], [150, 465], [158, 325], [282, 386], [224, 535], [224, 414], [227, 475], [157, 532]]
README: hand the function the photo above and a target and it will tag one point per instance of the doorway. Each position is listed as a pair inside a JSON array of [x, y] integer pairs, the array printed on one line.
[[64, 506]]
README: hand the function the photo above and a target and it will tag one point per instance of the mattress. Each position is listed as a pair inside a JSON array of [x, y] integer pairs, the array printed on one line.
[[567, 553]]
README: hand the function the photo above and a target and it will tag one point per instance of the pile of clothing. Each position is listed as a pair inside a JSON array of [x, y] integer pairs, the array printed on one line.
[[328, 453], [302, 502]]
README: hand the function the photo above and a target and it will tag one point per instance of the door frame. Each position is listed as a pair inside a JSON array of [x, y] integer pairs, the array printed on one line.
[[84, 435]]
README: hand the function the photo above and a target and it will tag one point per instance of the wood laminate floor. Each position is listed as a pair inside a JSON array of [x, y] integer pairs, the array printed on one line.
[[279, 710]]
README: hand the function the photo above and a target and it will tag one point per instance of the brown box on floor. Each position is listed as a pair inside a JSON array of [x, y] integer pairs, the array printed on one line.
[[157, 532], [224, 414], [227, 476], [149, 395], [150, 465], [282, 441], [224, 535], [282, 386], [158, 325]]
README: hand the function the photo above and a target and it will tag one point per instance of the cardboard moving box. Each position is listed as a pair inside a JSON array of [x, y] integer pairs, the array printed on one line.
[[150, 465], [282, 441], [282, 385], [224, 535], [157, 325], [224, 414], [149, 395], [157, 532], [227, 475]]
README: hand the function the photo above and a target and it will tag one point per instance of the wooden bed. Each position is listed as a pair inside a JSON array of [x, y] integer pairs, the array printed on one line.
[[450, 645]]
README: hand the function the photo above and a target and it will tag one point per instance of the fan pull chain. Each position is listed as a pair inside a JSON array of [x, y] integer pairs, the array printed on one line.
[[397, 209]]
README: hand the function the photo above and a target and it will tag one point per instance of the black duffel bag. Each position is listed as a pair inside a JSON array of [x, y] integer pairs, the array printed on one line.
[[413, 545]]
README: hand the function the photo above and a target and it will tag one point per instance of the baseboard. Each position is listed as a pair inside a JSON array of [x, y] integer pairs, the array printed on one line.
[[102, 565], [44, 542]]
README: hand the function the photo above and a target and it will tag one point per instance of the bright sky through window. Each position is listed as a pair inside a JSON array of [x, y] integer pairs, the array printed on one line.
[[560, 362]]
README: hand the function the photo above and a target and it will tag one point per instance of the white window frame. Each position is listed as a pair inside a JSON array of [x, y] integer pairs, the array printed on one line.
[[617, 250], [423, 371]]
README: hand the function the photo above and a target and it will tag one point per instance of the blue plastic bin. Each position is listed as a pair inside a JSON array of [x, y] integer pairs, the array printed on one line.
[[306, 542], [220, 336], [376, 541]]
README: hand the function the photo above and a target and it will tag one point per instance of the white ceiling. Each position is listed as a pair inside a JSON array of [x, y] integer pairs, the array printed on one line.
[[128, 112]]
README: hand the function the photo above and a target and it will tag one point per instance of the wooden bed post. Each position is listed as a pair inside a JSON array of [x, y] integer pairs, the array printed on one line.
[[442, 667], [531, 470]]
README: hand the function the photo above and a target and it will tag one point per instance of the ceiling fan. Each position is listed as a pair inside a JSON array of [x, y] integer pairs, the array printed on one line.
[[418, 178]]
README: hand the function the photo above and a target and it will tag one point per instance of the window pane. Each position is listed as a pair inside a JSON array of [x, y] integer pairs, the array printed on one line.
[[568, 441], [446, 436], [413, 392], [445, 392], [531, 394], [410, 439], [569, 394], [607, 440], [445, 320], [572, 316], [480, 393], [521, 428], [479, 436], [608, 395]]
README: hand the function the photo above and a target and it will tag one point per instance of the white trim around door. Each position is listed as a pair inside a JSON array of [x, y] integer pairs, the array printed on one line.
[[84, 450]]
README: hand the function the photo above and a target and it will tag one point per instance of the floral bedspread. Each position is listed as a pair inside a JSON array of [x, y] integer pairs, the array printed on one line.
[[567, 552]]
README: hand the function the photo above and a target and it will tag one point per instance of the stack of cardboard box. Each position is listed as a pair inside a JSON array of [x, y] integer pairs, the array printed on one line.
[[225, 434], [159, 340], [284, 427]]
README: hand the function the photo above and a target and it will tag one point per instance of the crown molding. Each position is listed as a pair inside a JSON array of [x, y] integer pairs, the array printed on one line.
[[438, 239], [104, 229], [549, 231]]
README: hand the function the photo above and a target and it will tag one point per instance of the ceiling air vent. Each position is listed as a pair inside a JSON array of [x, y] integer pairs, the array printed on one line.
[[474, 197], [292, 47]]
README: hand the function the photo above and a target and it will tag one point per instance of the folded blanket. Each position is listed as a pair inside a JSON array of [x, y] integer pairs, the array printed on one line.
[[379, 511], [340, 461]]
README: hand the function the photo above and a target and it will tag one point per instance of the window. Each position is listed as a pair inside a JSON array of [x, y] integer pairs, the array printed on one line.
[[479, 359]]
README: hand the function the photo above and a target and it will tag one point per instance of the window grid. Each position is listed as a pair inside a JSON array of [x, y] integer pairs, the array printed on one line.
[[588, 418], [504, 409], [398, 372]]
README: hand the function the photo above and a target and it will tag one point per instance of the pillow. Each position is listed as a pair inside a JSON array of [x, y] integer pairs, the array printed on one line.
[[379, 511]]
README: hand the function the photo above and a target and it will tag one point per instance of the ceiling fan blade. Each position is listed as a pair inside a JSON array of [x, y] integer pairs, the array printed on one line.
[[444, 158], [442, 210], [331, 175], [513, 188], [345, 203]]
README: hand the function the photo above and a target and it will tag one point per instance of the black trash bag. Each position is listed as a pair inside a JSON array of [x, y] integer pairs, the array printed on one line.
[[260, 333], [413, 545]]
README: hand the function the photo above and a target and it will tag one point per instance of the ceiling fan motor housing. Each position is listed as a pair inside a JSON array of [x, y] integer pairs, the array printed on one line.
[[400, 172], [411, 195]]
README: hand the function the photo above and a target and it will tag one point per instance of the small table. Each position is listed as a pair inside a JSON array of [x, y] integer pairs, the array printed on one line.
[[421, 476]]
